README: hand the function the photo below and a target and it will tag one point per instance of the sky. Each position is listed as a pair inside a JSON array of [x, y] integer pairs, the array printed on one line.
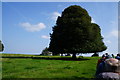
[[0, 21], [119, 27], [59, 0], [26, 25]]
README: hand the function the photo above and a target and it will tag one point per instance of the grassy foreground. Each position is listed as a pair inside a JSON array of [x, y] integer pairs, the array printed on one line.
[[42, 68]]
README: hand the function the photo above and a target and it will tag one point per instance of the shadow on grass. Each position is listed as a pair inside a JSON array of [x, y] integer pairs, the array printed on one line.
[[60, 58], [48, 58]]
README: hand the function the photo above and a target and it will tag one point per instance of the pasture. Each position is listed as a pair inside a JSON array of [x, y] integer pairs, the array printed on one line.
[[53, 68]]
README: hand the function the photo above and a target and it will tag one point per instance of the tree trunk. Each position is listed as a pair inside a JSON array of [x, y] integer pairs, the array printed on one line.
[[74, 56], [53, 54], [96, 54]]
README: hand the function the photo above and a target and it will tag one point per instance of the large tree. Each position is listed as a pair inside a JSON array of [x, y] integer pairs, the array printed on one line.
[[1, 46], [74, 33]]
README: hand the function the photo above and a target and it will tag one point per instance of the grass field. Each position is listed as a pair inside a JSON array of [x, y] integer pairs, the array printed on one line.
[[43, 68]]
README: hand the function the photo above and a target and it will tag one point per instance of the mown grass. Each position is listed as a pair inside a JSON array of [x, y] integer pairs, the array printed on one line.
[[41, 68]]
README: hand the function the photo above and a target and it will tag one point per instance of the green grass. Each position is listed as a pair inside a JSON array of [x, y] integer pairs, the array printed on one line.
[[41, 68]]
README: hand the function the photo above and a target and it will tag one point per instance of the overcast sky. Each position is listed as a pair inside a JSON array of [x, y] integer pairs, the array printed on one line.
[[26, 25]]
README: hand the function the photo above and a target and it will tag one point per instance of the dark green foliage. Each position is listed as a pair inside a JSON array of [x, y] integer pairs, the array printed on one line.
[[1, 46], [74, 33]]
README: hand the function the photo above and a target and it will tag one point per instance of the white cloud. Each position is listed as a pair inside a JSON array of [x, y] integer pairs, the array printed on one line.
[[33, 27], [93, 21], [55, 15], [114, 33], [108, 41], [45, 37]]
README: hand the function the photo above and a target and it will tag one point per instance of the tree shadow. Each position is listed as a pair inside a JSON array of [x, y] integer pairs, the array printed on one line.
[[60, 58], [48, 58]]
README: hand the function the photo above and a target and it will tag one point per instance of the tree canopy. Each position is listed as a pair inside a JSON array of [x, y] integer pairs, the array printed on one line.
[[75, 33]]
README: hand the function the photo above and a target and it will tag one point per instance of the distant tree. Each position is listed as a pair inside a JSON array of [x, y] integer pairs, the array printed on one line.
[[1, 46], [74, 33], [45, 52]]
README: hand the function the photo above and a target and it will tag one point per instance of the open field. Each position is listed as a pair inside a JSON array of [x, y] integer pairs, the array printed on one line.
[[44, 68]]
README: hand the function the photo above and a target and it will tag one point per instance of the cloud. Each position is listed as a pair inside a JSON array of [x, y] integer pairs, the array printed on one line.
[[45, 37], [108, 41], [33, 27], [93, 21], [114, 33], [55, 15]]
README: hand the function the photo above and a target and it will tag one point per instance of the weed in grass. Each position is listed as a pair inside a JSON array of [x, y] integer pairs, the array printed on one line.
[[30, 67], [67, 67]]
